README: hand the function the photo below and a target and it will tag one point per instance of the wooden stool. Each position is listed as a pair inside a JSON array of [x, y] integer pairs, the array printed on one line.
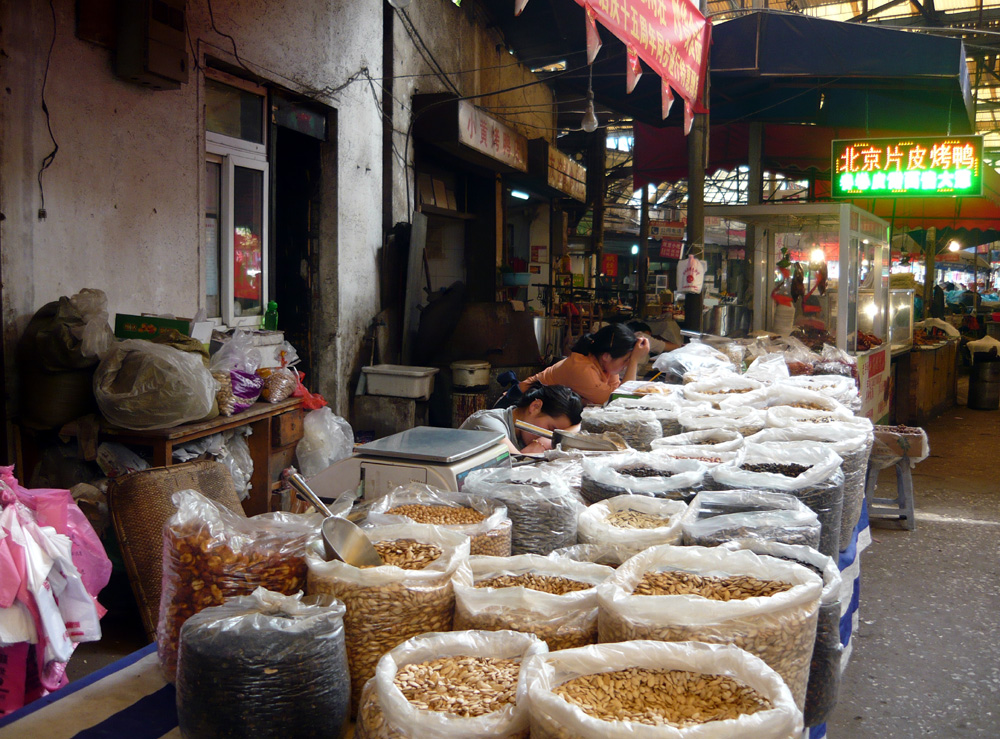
[[900, 508]]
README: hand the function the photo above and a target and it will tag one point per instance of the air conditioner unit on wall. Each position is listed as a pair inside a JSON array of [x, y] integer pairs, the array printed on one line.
[[152, 38]]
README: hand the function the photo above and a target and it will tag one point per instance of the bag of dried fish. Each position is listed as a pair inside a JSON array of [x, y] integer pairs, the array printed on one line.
[[541, 506], [632, 521], [809, 471], [718, 516], [640, 474], [554, 599], [854, 445], [637, 426], [459, 684], [758, 603], [708, 691], [824, 671], [264, 665], [483, 520]]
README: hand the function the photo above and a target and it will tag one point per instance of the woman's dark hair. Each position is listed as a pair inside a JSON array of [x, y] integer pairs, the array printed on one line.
[[557, 400], [616, 339]]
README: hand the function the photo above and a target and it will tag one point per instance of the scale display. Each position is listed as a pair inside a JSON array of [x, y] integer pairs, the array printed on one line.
[[907, 167]]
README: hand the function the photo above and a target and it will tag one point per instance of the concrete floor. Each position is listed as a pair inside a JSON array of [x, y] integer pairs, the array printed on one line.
[[926, 659]]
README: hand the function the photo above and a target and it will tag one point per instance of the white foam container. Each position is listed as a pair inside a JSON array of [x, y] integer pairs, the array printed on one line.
[[400, 381]]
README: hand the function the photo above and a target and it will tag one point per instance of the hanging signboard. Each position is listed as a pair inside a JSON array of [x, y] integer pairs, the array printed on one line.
[[671, 36], [908, 167], [666, 229], [609, 265], [671, 249], [873, 379], [487, 135]]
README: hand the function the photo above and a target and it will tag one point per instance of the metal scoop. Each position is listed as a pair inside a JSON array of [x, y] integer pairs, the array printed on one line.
[[569, 440], [341, 538]]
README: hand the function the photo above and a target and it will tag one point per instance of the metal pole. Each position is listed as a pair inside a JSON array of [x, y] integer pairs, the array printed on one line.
[[643, 256], [930, 249], [697, 154]]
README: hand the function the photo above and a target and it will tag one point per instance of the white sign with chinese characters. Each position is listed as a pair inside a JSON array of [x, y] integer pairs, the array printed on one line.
[[485, 134]]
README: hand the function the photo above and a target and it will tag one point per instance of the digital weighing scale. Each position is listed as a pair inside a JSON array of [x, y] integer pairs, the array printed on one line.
[[438, 457]]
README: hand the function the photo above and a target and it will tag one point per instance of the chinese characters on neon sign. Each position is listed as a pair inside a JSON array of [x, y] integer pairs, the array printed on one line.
[[912, 167]]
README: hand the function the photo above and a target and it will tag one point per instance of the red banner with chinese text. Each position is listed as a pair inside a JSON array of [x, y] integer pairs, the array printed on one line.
[[671, 36], [609, 265]]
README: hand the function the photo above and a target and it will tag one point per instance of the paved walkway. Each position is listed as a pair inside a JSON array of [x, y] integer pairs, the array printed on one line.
[[927, 659]]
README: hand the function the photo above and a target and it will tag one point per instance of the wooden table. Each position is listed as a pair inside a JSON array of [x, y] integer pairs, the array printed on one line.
[[275, 430]]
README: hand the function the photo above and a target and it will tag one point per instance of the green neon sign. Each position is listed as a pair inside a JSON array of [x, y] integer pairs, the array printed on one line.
[[911, 167]]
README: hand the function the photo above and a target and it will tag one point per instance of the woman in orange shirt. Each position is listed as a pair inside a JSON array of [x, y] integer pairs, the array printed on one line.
[[592, 368]]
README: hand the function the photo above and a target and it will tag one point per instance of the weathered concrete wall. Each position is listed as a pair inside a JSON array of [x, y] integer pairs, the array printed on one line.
[[124, 194]]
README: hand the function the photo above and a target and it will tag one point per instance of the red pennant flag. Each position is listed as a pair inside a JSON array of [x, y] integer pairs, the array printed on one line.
[[519, 6], [666, 98], [688, 117], [633, 71], [593, 36]]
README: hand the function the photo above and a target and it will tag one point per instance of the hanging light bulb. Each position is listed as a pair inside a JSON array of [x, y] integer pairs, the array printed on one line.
[[590, 122]]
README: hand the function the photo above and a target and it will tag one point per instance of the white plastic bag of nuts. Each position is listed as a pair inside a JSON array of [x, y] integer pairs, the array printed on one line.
[[703, 691], [211, 554], [554, 599], [602, 554], [460, 684], [840, 388], [758, 603], [700, 454], [719, 516], [742, 419], [541, 506], [637, 426], [854, 445], [824, 671], [808, 470], [640, 473], [785, 415], [632, 521], [387, 605], [717, 389], [711, 440], [483, 520]]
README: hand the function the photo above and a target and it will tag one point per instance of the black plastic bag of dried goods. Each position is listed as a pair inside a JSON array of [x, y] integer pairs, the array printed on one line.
[[809, 471], [264, 665], [717, 517], [638, 473]]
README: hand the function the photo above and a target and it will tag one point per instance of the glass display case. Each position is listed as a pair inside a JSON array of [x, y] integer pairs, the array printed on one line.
[[819, 268], [901, 319]]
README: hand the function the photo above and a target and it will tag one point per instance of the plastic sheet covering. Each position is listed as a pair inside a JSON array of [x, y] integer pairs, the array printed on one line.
[[710, 440], [692, 357], [824, 671], [211, 554], [780, 628], [602, 554], [820, 486], [387, 714], [719, 516], [768, 369], [491, 536], [264, 665], [640, 473], [326, 438], [853, 443], [717, 389], [562, 621], [743, 420], [387, 605], [595, 527], [541, 506], [637, 426], [141, 385], [842, 389], [553, 717]]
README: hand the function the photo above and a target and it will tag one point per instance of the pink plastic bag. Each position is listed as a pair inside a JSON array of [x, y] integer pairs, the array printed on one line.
[[57, 509], [13, 673]]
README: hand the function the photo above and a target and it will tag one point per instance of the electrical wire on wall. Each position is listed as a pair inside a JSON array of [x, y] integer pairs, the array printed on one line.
[[49, 158]]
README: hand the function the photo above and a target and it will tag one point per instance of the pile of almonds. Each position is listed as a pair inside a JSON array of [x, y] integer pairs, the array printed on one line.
[[463, 686], [735, 587], [407, 554], [629, 519], [439, 515], [677, 698], [543, 583]]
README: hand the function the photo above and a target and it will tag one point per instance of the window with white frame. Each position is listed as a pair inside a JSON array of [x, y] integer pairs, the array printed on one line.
[[235, 254]]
